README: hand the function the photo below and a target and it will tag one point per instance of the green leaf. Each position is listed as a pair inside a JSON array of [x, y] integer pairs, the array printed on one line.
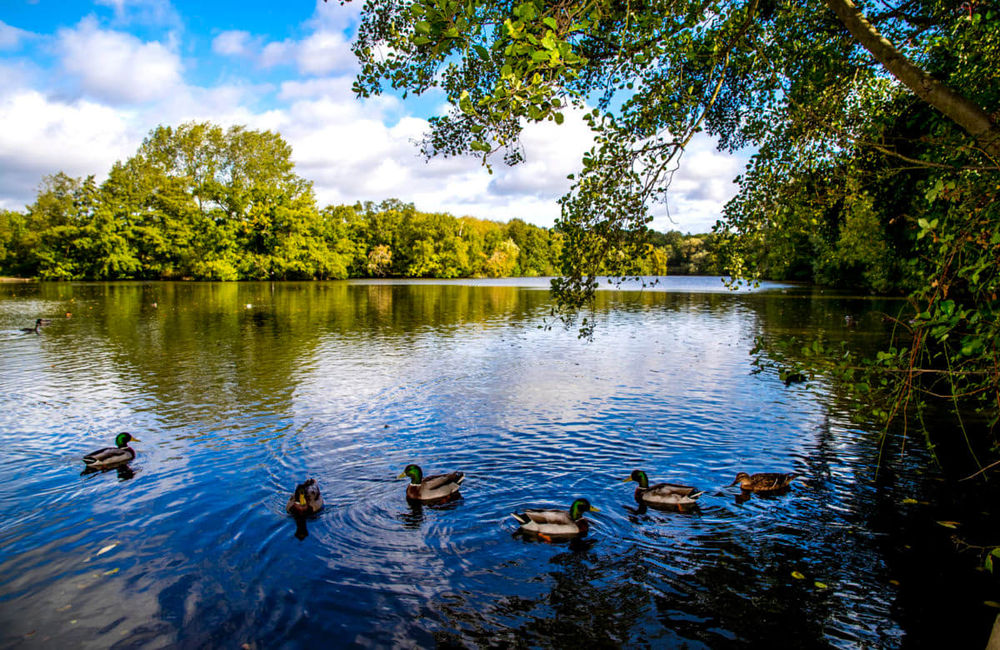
[[423, 27], [479, 145], [558, 118]]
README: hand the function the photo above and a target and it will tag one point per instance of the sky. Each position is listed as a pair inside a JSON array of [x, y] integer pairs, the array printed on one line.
[[85, 81]]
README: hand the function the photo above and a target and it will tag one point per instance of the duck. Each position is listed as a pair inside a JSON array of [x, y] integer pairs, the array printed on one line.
[[662, 494], [433, 488], [306, 500], [109, 457], [38, 325], [553, 523], [764, 481]]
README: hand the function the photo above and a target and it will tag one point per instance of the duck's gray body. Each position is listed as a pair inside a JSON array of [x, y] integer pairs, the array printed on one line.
[[435, 488], [667, 495], [109, 457]]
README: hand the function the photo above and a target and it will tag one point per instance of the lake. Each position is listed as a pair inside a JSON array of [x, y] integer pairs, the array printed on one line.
[[239, 391]]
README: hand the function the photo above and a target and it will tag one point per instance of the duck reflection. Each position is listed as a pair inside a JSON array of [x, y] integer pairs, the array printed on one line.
[[124, 472], [301, 529], [413, 517]]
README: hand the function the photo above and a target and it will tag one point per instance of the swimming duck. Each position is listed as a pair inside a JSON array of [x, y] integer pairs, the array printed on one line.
[[763, 482], [553, 523], [432, 488], [306, 500], [38, 324], [662, 494], [111, 456]]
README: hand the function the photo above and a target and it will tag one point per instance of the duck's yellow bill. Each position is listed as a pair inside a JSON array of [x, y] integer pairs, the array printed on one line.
[[594, 509], [134, 439], [403, 475], [302, 499], [626, 479]]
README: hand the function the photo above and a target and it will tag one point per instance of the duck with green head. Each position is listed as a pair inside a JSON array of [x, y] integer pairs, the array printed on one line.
[[662, 495], [556, 524], [764, 482], [439, 487], [109, 457], [306, 500]]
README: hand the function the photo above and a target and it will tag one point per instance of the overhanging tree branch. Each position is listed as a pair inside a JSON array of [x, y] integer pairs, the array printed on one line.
[[955, 106]]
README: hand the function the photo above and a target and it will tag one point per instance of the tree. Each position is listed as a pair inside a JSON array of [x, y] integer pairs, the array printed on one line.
[[875, 130]]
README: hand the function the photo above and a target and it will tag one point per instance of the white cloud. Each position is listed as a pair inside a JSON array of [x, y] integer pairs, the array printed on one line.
[[233, 43], [11, 37], [324, 52], [319, 53], [42, 137], [150, 12], [334, 16], [118, 67], [700, 188]]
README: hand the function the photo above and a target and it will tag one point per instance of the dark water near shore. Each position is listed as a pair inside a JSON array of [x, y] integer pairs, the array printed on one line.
[[238, 391]]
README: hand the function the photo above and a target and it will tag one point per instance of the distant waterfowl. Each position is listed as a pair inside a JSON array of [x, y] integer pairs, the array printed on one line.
[[433, 488], [556, 524], [763, 482], [306, 500], [662, 495], [109, 457], [38, 325]]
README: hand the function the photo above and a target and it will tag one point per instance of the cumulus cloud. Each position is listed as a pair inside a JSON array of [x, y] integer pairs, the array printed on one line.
[[700, 188], [116, 66], [41, 137], [149, 12], [320, 53], [551, 152], [233, 43], [11, 37]]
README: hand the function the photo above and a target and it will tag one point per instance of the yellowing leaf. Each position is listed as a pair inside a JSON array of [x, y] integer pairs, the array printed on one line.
[[949, 524], [910, 501], [894, 583], [106, 549], [820, 585], [798, 575], [111, 572], [992, 603]]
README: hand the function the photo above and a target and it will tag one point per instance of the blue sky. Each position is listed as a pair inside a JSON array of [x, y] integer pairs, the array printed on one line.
[[85, 81]]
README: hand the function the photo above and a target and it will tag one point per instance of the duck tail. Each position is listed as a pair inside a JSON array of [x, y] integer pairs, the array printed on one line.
[[792, 476], [521, 519], [695, 495], [459, 478]]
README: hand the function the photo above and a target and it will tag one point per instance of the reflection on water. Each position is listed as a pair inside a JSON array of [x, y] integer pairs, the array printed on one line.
[[237, 390]]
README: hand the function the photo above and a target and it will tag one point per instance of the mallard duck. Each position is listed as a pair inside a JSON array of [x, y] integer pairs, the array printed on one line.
[[432, 488], [111, 456], [763, 482], [556, 523], [38, 324], [306, 500], [662, 494]]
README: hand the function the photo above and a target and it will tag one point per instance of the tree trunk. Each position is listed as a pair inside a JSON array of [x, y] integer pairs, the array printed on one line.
[[956, 107]]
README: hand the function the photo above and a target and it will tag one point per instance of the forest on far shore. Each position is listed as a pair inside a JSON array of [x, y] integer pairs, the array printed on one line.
[[201, 202]]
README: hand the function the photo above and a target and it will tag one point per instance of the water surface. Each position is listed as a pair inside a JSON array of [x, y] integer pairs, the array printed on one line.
[[239, 391]]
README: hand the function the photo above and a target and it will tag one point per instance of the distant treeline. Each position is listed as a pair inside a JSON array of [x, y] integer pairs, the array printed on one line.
[[206, 203]]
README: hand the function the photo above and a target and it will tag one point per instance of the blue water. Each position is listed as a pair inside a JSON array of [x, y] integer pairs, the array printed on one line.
[[238, 392]]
